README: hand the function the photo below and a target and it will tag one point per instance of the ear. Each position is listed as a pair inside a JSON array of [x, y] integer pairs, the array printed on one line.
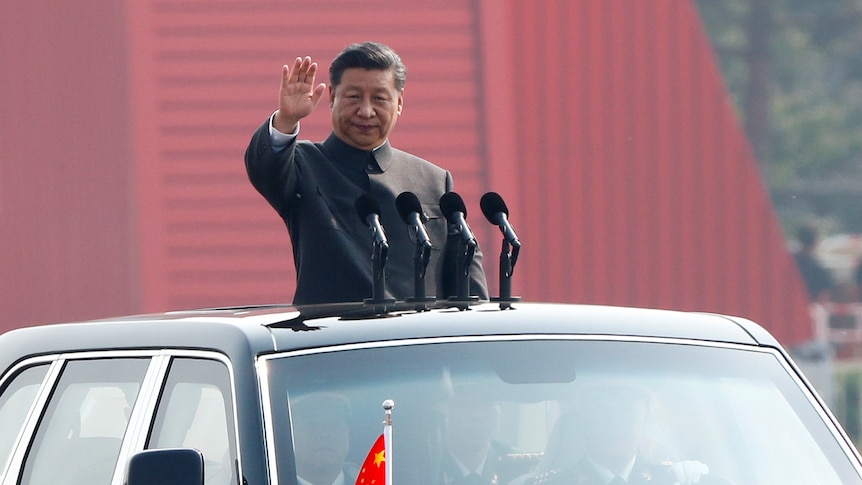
[[400, 101], [331, 96]]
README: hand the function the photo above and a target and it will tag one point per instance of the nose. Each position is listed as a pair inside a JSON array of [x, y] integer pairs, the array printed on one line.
[[366, 109]]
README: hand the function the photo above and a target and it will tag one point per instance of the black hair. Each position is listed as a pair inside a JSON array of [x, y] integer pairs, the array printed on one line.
[[368, 55]]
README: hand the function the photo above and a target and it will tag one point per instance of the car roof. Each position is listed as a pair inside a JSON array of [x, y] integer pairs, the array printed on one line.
[[256, 330]]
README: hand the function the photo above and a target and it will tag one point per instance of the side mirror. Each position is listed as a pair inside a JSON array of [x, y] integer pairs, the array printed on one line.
[[172, 466]]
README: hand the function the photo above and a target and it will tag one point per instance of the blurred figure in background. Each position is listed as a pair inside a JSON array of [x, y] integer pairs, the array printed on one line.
[[818, 280], [857, 280]]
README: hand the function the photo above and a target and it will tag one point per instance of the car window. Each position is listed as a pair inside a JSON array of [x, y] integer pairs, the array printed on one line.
[[540, 411], [79, 436], [15, 403], [196, 411]]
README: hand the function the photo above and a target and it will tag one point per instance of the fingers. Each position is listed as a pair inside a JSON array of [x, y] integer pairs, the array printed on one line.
[[297, 65], [318, 93], [303, 71], [298, 95], [288, 73]]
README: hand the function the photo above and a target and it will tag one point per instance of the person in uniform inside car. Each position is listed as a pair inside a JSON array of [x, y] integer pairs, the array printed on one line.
[[473, 457], [321, 435], [612, 420], [314, 186]]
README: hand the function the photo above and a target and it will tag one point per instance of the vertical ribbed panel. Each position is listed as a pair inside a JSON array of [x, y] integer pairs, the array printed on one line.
[[65, 231], [625, 170], [636, 184], [206, 74]]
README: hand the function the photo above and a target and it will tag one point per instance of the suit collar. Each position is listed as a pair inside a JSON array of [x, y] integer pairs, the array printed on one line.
[[339, 150]]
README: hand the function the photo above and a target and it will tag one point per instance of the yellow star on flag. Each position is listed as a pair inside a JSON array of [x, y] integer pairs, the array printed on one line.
[[379, 457], [372, 473]]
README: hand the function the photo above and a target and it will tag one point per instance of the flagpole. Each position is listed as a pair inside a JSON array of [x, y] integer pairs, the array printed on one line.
[[387, 437]]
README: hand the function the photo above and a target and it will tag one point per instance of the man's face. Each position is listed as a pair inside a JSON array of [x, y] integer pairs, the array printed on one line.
[[472, 422], [365, 107], [322, 443], [615, 422]]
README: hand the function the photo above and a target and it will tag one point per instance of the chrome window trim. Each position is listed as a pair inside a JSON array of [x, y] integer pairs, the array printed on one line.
[[22, 441], [513, 337], [262, 367], [808, 391], [141, 414], [42, 359]]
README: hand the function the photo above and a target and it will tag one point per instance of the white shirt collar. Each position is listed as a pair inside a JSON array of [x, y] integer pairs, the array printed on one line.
[[339, 480], [466, 471], [606, 474]]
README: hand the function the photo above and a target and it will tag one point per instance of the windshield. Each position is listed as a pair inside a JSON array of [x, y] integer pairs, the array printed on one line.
[[550, 411]]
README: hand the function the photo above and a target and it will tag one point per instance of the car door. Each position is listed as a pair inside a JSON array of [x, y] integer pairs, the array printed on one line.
[[195, 410], [72, 419], [83, 420]]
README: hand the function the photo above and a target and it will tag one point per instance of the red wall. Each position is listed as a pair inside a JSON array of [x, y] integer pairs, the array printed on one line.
[[66, 218], [604, 125], [635, 180]]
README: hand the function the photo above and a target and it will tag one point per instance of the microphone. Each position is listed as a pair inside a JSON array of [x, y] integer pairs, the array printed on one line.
[[455, 212], [453, 208], [369, 212], [498, 214], [410, 208]]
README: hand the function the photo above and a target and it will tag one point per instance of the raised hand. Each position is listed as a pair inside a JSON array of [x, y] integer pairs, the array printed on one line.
[[297, 95]]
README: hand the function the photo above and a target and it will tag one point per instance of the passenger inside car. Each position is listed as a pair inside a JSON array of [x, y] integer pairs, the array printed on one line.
[[474, 454], [599, 442], [321, 436]]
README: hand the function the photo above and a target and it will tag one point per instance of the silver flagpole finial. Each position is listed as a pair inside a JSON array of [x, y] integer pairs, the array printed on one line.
[[387, 408]]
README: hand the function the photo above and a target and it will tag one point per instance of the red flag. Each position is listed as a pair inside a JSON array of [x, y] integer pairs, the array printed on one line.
[[373, 471]]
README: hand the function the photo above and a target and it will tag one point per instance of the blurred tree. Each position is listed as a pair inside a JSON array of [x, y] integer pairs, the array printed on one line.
[[794, 68]]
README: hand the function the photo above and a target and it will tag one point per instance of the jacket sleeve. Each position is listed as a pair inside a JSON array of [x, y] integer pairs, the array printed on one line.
[[273, 174]]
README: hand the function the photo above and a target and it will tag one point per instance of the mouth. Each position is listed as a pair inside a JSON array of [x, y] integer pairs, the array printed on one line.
[[325, 451], [365, 128]]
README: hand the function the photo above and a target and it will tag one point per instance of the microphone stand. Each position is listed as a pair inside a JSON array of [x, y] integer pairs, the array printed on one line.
[[508, 258], [420, 262], [463, 298], [379, 254]]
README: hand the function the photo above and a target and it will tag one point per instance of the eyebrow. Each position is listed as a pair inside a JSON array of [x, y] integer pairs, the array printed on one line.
[[355, 86]]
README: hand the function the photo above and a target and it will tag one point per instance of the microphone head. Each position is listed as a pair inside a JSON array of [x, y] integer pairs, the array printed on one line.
[[450, 203], [407, 203], [492, 204], [366, 205]]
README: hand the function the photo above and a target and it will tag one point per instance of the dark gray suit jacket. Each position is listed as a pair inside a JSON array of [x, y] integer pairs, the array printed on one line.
[[314, 186]]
